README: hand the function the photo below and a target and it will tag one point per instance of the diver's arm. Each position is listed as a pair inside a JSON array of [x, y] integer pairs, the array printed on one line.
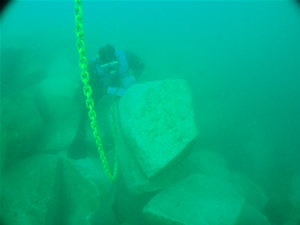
[[135, 64], [124, 84], [116, 91]]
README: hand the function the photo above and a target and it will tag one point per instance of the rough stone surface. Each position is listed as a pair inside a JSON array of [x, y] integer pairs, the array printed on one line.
[[49, 189], [22, 123], [196, 200], [57, 98], [206, 162], [57, 137], [28, 192], [56, 95], [156, 126], [20, 70], [88, 193]]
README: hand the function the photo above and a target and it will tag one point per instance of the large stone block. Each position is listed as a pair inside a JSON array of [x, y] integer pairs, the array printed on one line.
[[58, 98], [57, 137], [56, 95], [155, 124], [196, 200], [20, 70], [29, 192], [22, 125], [206, 162], [88, 194]]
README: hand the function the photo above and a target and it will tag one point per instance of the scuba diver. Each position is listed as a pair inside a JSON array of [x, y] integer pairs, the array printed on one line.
[[112, 72]]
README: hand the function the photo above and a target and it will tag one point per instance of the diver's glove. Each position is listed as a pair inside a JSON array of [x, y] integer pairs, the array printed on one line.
[[119, 92], [128, 81]]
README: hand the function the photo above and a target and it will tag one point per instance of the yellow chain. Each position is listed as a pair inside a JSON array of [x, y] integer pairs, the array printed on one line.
[[87, 90]]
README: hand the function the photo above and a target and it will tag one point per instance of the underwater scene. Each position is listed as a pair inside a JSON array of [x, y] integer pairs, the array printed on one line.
[[150, 112]]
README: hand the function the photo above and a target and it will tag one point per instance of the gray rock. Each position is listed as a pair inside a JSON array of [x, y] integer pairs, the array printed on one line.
[[206, 162], [22, 123], [58, 98], [29, 192], [87, 192], [57, 137], [196, 200], [211, 163], [20, 70], [48, 189], [155, 124], [56, 95]]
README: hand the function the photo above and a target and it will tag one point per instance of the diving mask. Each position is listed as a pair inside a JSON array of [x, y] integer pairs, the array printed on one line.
[[111, 67]]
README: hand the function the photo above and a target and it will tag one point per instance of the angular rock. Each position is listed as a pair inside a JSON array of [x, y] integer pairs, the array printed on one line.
[[57, 100], [206, 162], [57, 137], [155, 124], [29, 192], [128, 206], [196, 200], [47, 189], [56, 95], [87, 192], [22, 123], [20, 70]]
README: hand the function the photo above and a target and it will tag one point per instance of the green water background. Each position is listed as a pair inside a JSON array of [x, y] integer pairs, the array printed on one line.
[[240, 58]]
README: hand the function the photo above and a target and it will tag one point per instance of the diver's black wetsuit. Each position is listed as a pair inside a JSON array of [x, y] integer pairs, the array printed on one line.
[[77, 149]]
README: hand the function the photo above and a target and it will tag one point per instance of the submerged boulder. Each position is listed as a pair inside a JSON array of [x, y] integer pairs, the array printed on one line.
[[204, 161], [58, 103], [154, 124], [52, 189], [56, 95], [29, 192], [20, 70], [22, 125], [88, 194], [196, 200]]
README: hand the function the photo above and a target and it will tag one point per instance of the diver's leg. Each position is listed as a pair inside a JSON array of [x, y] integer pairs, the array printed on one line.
[[78, 147]]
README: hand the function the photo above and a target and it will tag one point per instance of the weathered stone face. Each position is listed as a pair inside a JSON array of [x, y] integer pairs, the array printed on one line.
[[196, 200], [87, 192], [28, 191], [156, 124], [22, 124], [52, 189]]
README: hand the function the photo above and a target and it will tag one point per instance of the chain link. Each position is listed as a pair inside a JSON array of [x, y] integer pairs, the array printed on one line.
[[87, 90]]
